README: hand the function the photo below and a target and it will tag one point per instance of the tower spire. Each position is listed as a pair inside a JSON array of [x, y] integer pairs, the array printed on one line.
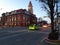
[[30, 7]]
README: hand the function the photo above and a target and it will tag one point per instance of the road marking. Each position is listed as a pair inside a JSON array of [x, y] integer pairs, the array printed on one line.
[[17, 31], [43, 39], [12, 36]]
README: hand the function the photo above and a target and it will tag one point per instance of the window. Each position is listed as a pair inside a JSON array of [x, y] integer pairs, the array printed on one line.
[[7, 13], [23, 17], [0, 19], [15, 19], [12, 18], [26, 12], [13, 12]]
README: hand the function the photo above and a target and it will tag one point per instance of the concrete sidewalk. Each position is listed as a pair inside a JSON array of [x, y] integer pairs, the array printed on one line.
[[52, 42], [46, 41]]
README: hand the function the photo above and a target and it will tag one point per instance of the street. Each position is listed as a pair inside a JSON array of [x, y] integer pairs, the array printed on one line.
[[22, 37]]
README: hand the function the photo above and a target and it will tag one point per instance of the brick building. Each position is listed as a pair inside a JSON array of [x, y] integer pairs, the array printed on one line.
[[20, 17], [0, 21]]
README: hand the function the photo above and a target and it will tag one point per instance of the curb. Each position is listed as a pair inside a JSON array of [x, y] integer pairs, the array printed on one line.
[[54, 42]]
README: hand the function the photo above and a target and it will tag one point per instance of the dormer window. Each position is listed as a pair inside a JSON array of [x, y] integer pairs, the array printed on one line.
[[7, 13]]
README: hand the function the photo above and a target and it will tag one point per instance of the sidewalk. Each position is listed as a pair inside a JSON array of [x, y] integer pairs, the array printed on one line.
[[52, 42], [46, 41]]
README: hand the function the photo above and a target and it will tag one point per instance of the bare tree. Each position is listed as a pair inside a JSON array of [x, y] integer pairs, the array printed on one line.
[[50, 4]]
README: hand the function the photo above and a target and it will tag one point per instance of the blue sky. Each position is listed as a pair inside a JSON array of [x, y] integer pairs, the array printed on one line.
[[10, 5]]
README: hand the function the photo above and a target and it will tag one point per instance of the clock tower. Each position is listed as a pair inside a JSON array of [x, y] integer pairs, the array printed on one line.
[[30, 7]]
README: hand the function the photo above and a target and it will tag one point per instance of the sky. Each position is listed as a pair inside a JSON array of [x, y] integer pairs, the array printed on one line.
[[10, 5]]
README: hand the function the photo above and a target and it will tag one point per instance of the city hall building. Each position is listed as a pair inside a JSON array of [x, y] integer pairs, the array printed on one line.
[[20, 17]]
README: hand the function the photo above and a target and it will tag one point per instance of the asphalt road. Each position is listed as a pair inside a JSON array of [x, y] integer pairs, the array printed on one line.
[[16, 36]]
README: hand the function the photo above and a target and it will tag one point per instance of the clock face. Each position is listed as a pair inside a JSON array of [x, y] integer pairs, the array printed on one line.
[[29, 7]]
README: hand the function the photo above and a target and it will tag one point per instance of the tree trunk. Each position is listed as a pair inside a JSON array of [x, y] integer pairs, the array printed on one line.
[[52, 19], [53, 35]]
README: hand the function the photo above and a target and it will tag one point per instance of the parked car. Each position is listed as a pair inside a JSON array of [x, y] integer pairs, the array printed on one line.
[[34, 27]]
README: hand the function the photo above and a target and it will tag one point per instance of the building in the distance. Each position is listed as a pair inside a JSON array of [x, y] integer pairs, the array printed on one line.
[[0, 21], [30, 8], [20, 17]]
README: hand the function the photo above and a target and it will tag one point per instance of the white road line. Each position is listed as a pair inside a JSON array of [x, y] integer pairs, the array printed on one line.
[[12, 36], [43, 39]]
